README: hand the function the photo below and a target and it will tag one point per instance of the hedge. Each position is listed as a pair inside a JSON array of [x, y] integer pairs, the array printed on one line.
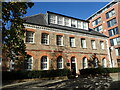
[[94, 71], [15, 75]]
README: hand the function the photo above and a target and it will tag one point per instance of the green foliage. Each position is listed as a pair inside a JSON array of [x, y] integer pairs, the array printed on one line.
[[14, 75], [94, 71], [12, 29]]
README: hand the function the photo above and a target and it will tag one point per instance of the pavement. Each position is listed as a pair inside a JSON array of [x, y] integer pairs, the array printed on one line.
[[91, 83]]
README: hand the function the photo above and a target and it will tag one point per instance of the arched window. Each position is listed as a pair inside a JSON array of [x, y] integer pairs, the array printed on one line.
[[29, 62], [60, 62], [95, 63], [85, 63], [104, 64], [44, 63]]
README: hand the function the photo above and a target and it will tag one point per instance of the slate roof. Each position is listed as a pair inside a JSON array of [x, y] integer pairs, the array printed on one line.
[[40, 20]]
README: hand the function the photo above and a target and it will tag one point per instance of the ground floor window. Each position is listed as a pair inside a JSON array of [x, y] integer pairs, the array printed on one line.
[[104, 64], [60, 62], [44, 63], [29, 62], [95, 63], [85, 63]]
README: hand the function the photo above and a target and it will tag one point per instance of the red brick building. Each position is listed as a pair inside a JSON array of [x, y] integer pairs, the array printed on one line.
[[107, 21], [56, 41]]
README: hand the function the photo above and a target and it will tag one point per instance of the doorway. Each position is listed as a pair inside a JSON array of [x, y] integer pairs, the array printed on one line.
[[73, 65]]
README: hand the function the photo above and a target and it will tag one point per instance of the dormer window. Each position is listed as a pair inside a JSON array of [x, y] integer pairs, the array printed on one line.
[[73, 23], [52, 19], [66, 21], [80, 25], [60, 20]]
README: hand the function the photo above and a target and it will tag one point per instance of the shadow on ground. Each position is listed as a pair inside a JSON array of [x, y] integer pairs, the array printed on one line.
[[115, 84]]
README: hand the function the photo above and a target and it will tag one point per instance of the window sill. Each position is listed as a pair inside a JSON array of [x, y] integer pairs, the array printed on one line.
[[45, 44], [30, 43], [60, 45], [73, 47], [84, 48], [94, 49]]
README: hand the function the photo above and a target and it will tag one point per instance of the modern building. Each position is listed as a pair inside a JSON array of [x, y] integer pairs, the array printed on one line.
[[107, 21], [56, 41]]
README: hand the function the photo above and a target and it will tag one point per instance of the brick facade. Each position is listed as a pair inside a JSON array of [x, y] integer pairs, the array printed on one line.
[[52, 51]]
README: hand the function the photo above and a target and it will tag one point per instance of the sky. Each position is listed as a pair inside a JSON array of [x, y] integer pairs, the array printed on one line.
[[81, 10]]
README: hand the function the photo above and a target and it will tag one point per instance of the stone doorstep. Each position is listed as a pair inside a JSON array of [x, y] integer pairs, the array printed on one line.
[[42, 82]]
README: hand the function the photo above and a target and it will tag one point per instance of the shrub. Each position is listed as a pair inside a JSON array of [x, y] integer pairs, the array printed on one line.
[[94, 71], [14, 75]]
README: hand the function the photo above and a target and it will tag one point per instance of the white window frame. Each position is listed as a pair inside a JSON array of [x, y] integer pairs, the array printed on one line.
[[29, 63], [52, 19], [45, 40], [85, 63], [59, 20], [117, 51], [72, 42], [66, 21], [93, 44], [59, 40], [102, 46], [104, 63], [80, 24], [43, 63], [60, 62], [29, 37], [73, 22], [83, 43]]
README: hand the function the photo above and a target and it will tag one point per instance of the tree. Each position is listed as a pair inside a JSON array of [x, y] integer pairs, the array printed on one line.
[[13, 31]]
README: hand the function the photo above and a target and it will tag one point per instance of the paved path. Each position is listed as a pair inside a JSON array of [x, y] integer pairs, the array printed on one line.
[[96, 83]]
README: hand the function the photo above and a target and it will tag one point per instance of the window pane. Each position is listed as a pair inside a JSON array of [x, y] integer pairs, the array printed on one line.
[[29, 37], [72, 41], [28, 63], [44, 38], [112, 22], [59, 40], [59, 62], [44, 62], [52, 19], [60, 20], [83, 43]]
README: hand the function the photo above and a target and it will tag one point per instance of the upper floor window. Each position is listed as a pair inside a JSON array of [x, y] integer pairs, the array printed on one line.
[[59, 40], [112, 22], [96, 22], [60, 20], [113, 31], [99, 28], [73, 23], [115, 41], [110, 14], [44, 63], [29, 37], [117, 51], [45, 38], [83, 43], [93, 45], [66, 21], [102, 45], [60, 62], [80, 25], [72, 42], [29, 62], [85, 26], [52, 19]]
